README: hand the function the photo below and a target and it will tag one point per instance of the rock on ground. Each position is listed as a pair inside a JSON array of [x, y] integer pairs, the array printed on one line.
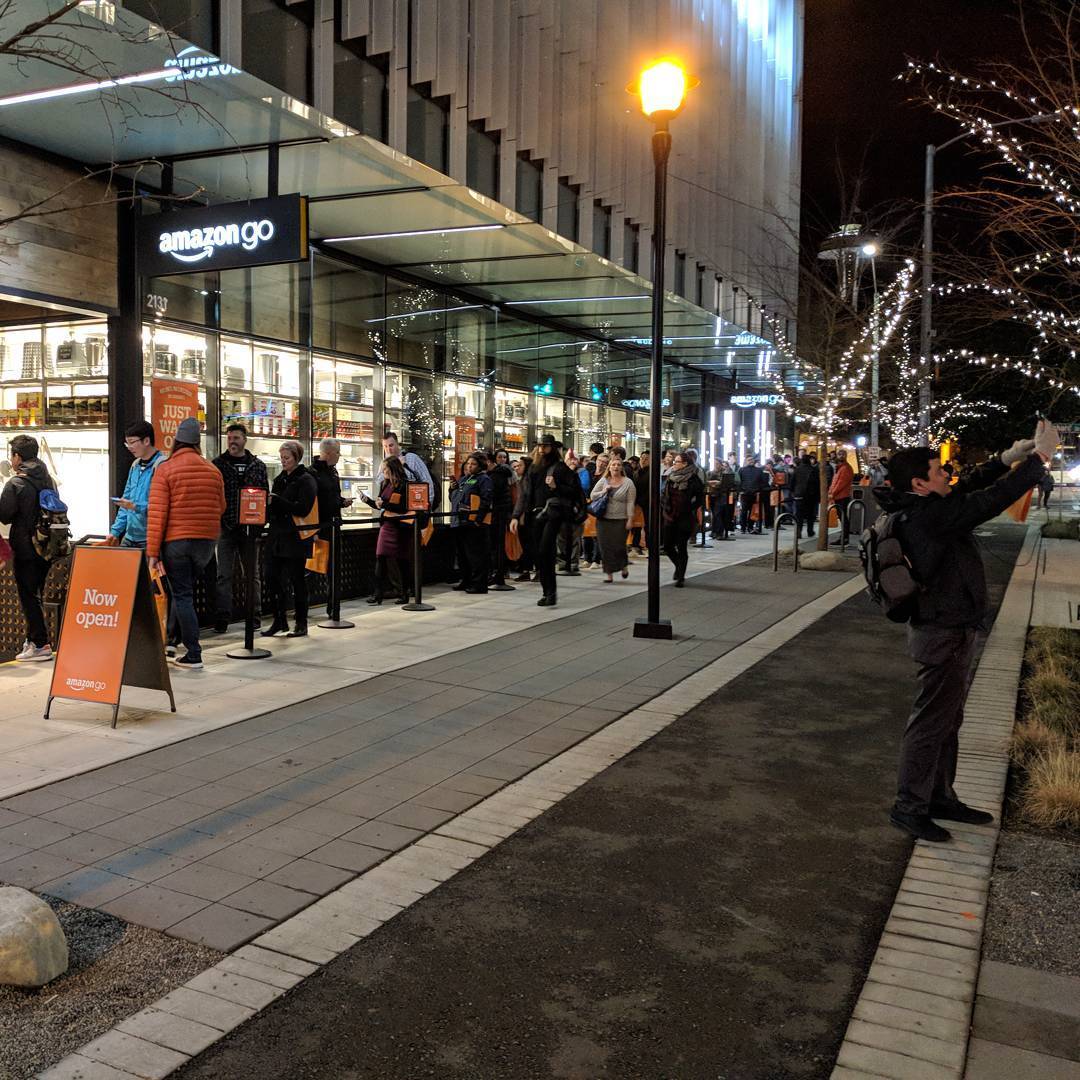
[[33, 948]]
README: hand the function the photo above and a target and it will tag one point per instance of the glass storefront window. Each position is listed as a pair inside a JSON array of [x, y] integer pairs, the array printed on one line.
[[268, 301], [512, 421], [470, 332], [343, 408], [549, 417], [348, 309], [53, 386], [412, 412], [464, 409], [615, 427], [583, 426], [415, 324]]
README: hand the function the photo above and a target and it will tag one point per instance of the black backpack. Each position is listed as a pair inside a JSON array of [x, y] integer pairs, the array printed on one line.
[[889, 580], [51, 534]]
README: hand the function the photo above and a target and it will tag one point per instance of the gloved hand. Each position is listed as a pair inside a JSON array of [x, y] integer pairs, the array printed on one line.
[[1018, 451], [1046, 439]]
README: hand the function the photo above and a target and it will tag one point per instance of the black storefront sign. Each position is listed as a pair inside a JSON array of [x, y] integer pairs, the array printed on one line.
[[224, 237]]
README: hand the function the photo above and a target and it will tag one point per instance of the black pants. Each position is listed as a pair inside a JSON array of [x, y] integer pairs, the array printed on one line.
[[676, 539], [30, 577], [472, 554], [281, 572], [568, 545], [842, 507], [545, 535], [496, 537], [748, 499], [806, 514], [930, 746]]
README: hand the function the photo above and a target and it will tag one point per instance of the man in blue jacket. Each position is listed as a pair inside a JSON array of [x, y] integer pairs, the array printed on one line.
[[129, 528]]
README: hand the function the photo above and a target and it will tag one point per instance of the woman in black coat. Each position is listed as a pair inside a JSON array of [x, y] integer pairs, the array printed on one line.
[[292, 495], [682, 496], [548, 495]]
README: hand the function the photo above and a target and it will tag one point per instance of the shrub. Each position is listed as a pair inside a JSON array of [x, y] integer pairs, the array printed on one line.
[[1053, 697], [1062, 530], [1033, 737], [1051, 797]]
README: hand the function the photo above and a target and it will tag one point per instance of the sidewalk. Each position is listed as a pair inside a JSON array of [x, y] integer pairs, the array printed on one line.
[[77, 737]]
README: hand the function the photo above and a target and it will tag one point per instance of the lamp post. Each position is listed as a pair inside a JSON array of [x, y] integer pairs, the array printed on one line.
[[662, 88], [871, 251]]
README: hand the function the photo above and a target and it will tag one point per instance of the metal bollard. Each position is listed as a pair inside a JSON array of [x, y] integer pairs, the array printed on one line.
[[334, 620], [417, 603], [778, 521], [249, 652]]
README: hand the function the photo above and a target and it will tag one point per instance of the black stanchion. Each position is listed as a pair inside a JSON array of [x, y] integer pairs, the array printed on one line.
[[417, 603], [500, 562], [249, 652], [334, 621]]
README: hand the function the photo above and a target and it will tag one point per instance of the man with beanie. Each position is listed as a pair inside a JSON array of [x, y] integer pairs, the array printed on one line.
[[187, 499], [935, 527]]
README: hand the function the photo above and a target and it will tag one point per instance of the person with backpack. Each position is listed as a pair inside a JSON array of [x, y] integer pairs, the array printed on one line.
[[129, 527], [548, 496], [936, 583], [21, 508]]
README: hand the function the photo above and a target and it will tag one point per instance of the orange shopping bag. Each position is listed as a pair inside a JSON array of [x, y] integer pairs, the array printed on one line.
[[513, 546]]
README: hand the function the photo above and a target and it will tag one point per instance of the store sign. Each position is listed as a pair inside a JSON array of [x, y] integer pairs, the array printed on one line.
[[748, 340], [192, 63], [110, 634], [252, 507], [224, 237], [756, 401], [418, 500], [464, 440], [170, 402], [642, 403]]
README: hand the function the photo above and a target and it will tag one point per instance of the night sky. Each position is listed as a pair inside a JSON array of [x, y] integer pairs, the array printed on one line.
[[856, 111]]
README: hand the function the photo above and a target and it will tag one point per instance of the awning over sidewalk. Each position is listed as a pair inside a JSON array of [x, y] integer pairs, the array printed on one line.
[[130, 93]]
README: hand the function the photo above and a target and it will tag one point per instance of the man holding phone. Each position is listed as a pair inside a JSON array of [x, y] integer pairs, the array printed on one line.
[[129, 527]]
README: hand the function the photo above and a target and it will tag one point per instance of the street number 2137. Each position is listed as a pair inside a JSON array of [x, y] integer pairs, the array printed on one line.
[[157, 302]]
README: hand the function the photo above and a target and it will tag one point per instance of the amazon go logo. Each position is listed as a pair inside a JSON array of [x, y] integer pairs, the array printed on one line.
[[195, 245]]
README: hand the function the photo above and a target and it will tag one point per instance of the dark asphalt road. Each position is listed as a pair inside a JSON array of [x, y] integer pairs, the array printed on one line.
[[707, 907]]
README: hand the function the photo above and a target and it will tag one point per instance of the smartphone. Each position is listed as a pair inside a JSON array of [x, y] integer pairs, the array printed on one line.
[[116, 500]]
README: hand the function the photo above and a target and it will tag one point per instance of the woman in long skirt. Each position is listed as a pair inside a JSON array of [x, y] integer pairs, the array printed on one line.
[[611, 528]]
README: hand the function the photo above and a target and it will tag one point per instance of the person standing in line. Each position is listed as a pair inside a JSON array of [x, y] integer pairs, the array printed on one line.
[[129, 526], [589, 480], [394, 541], [187, 499], [612, 527], [840, 492], [806, 493], [19, 508], [471, 502], [503, 496], [948, 614], [526, 563], [293, 494], [549, 492], [679, 501], [331, 501], [1046, 488], [416, 470], [239, 469], [568, 546], [752, 481]]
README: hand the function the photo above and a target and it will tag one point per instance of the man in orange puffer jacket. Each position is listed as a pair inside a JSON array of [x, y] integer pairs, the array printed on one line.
[[187, 499]]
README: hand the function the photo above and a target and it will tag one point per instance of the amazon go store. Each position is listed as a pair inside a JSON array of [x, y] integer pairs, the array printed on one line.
[[228, 314]]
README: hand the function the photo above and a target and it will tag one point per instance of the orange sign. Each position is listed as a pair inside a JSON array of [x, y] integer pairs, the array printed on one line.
[[170, 402], [464, 440], [252, 510], [109, 597], [418, 497]]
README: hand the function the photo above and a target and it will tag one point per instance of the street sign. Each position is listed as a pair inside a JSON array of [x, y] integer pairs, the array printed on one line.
[[872, 454]]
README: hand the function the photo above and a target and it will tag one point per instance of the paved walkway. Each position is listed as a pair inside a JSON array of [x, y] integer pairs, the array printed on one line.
[[216, 838], [34, 751], [707, 906]]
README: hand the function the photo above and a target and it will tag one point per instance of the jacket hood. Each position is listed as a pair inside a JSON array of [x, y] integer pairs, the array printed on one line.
[[36, 471]]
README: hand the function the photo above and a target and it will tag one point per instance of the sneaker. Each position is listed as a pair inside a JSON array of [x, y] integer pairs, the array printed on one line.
[[189, 662], [31, 653], [957, 811], [921, 826], [170, 648]]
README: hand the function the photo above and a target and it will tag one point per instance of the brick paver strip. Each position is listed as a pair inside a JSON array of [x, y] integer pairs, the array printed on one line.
[[928, 958]]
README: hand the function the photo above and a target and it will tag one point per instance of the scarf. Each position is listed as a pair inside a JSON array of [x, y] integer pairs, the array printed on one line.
[[680, 478]]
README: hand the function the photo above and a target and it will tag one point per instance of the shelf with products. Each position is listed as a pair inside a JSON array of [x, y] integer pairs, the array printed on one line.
[[77, 404], [464, 406], [263, 416], [343, 408], [511, 420], [550, 417], [174, 354]]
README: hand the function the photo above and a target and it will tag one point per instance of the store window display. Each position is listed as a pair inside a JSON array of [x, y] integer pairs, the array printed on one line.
[[343, 408], [512, 420], [53, 386], [464, 408]]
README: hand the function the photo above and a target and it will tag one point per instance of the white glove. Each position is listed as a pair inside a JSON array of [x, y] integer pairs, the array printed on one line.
[[1046, 439], [1018, 451]]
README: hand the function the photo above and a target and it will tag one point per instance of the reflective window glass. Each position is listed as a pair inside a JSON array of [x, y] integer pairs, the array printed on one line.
[[530, 187], [277, 44], [601, 231], [482, 161], [361, 97], [348, 310], [567, 210], [194, 20], [427, 128]]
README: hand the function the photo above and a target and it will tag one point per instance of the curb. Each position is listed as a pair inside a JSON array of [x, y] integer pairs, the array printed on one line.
[[165, 1035], [913, 1017]]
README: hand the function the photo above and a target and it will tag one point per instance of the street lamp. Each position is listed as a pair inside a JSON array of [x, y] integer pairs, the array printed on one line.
[[662, 88], [926, 328]]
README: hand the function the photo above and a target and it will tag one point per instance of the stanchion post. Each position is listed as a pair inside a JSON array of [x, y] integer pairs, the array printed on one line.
[[418, 572], [333, 581], [249, 652]]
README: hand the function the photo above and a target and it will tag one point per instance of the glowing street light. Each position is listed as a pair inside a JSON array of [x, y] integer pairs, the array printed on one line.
[[870, 250], [662, 88]]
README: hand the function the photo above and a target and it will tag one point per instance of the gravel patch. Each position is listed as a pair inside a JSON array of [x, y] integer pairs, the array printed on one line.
[[115, 970], [1034, 907]]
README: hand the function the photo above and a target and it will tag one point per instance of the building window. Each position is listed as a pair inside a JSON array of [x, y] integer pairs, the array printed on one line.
[[680, 273], [631, 246], [194, 20], [361, 97], [703, 297], [427, 135], [567, 224], [482, 161], [601, 229], [277, 44], [530, 187]]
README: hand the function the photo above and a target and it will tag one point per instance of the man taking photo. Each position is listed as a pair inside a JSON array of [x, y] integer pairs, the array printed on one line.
[[935, 529]]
